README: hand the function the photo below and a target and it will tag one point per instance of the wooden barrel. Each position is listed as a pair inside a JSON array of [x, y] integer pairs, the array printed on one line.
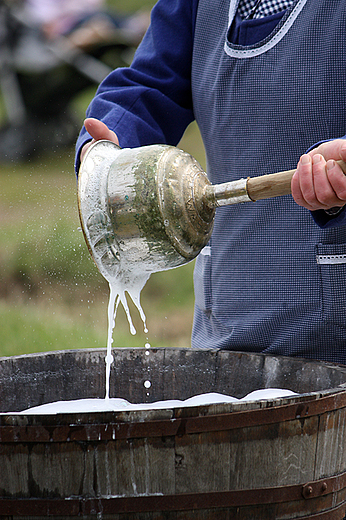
[[271, 459]]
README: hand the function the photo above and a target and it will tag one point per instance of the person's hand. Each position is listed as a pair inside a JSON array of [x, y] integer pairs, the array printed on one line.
[[98, 131], [319, 182]]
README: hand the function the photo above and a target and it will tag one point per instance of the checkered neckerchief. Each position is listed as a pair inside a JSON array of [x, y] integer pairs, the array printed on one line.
[[262, 8]]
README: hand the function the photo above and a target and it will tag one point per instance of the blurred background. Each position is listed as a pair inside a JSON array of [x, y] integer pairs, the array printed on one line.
[[51, 295]]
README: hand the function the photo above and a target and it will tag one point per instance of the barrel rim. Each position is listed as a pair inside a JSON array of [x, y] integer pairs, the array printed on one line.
[[285, 408], [88, 427]]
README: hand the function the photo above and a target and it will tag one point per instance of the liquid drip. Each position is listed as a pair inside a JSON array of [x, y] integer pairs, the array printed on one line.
[[117, 295], [123, 276], [112, 308]]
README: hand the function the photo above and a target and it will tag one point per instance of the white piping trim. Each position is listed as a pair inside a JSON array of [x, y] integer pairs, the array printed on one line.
[[331, 259], [206, 251], [256, 51]]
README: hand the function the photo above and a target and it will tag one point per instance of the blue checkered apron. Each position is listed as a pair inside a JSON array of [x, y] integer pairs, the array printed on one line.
[[270, 280]]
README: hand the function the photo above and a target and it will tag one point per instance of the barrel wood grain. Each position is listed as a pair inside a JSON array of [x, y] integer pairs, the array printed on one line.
[[198, 450]]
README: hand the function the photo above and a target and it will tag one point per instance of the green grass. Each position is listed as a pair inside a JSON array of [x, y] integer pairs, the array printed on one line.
[[130, 6], [27, 328]]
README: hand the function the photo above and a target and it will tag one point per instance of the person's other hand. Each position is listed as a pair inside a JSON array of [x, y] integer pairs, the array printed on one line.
[[98, 131], [319, 182]]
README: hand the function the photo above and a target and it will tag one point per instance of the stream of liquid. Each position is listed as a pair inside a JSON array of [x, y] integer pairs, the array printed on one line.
[[117, 295], [114, 299]]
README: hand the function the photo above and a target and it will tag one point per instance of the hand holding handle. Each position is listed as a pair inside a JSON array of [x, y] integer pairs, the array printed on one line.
[[275, 184]]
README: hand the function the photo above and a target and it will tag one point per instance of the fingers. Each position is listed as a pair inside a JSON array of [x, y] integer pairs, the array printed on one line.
[[302, 186], [337, 180], [85, 149], [318, 184], [98, 131]]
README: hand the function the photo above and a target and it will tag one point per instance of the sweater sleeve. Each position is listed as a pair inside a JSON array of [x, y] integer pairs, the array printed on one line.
[[151, 101], [325, 221]]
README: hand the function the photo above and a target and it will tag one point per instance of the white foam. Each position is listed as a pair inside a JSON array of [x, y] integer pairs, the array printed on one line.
[[120, 405], [267, 393]]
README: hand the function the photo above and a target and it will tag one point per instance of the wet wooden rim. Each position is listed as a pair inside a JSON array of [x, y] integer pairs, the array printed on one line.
[[69, 429]]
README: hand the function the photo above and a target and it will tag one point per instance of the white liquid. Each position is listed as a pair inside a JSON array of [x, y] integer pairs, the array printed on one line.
[[116, 295], [112, 306], [120, 405], [130, 279]]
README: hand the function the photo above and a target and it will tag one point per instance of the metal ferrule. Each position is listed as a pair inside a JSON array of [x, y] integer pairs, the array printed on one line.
[[228, 193]]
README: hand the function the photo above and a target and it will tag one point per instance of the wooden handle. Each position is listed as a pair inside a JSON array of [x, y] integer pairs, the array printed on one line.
[[275, 184], [268, 186]]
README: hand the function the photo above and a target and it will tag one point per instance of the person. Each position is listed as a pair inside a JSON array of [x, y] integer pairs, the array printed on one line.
[[84, 22], [57, 17], [52, 50], [264, 80]]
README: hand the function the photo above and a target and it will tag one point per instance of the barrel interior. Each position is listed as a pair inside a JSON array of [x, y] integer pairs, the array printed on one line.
[[174, 373]]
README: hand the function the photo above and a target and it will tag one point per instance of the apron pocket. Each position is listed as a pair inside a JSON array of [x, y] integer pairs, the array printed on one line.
[[331, 259]]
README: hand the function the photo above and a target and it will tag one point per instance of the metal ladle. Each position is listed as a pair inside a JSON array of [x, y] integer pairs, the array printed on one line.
[[154, 206]]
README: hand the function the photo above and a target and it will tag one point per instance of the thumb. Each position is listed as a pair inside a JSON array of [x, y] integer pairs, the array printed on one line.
[[343, 151], [98, 130], [333, 149]]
